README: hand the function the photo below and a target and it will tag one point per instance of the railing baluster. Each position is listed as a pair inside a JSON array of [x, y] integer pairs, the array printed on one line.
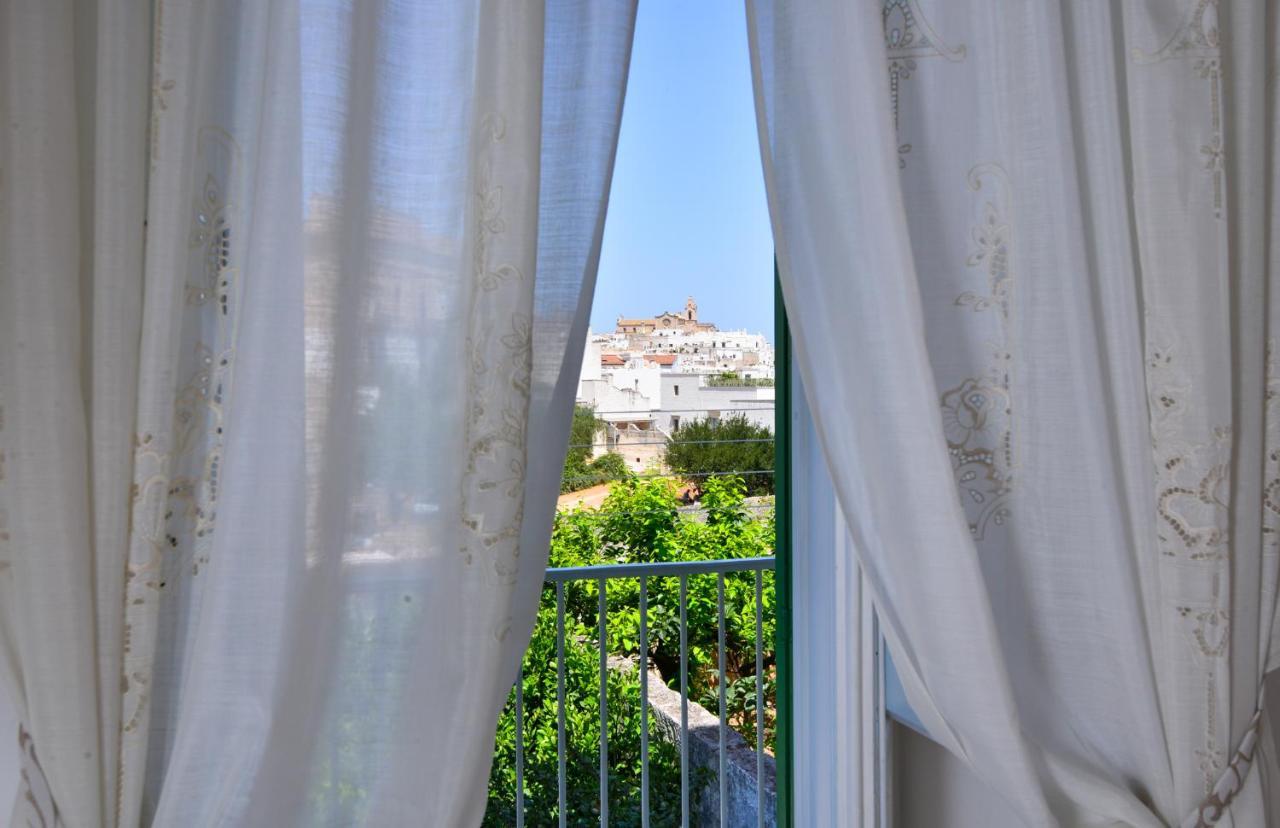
[[604, 706], [601, 575], [560, 752], [520, 748], [759, 703], [724, 782], [684, 704], [644, 702]]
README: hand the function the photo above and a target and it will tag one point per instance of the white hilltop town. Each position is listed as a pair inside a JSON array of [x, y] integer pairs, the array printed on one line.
[[648, 376]]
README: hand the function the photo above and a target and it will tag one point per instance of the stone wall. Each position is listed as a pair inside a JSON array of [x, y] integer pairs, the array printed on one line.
[[704, 754]]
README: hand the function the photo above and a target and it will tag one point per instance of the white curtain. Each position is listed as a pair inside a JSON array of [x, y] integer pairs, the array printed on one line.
[[1025, 248], [285, 294]]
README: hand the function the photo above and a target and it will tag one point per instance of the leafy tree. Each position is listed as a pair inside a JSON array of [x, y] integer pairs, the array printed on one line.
[[580, 471], [609, 467], [717, 447], [640, 520], [582, 740], [582, 434], [731, 378]]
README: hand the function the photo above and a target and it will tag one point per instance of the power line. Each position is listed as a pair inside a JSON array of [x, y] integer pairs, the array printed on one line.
[[667, 442], [659, 412], [683, 510], [667, 474]]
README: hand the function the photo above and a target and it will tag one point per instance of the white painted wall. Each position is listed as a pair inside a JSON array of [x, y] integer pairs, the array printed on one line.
[[697, 401], [832, 647], [605, 397], [933, 789], [700, 352], [646, 379], [641, 449], [590, 360]]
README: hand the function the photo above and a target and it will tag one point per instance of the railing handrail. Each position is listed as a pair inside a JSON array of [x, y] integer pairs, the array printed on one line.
[[660, 569]]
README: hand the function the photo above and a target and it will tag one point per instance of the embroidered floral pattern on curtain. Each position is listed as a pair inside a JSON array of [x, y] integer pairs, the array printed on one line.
[[977, 415], [499, 355], [212, 311], [1192, 447], [908, 37], [299, 340], [1096, 374], [177, 464], [1197, 40]]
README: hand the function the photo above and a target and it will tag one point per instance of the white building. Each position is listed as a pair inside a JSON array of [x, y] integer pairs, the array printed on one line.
[[649, 376], [701, 347]]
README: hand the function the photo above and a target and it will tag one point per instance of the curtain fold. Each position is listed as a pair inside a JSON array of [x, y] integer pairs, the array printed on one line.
[[286, 295], [1025, 252]]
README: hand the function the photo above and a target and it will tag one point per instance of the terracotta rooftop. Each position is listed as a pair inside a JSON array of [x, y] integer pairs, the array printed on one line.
[[612, 359], [661, 359]]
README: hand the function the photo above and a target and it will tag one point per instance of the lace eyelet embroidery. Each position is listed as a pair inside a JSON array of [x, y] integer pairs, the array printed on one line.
[[977, 414], [1198, 39], [908, 37], [500, 367]]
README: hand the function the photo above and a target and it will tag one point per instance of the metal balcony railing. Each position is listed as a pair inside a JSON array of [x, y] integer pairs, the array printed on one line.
[[643, 572]]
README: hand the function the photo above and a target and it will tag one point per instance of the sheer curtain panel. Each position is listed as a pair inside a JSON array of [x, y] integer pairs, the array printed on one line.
[[1026, 252], [287, 295]]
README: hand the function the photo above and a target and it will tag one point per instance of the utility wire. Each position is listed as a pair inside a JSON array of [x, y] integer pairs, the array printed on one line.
[[683, 510], [667, 474], [767, 406], [669, 442]]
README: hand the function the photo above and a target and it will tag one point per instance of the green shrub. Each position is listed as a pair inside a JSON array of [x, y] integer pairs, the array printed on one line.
[[582, 742], [639, 521], [580, 471], [733, 445], [732, 379]]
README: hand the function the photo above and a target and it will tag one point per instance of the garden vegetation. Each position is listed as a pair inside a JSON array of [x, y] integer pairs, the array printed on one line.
[[641, 520]]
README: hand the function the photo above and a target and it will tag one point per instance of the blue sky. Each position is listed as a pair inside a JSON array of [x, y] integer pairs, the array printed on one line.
[[687, 211]]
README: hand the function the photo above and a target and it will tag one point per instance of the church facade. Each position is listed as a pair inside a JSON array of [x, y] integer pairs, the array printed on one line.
[[686, 322]]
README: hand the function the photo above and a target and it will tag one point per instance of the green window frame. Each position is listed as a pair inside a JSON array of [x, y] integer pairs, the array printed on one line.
[[891, 703], [784, 733]]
